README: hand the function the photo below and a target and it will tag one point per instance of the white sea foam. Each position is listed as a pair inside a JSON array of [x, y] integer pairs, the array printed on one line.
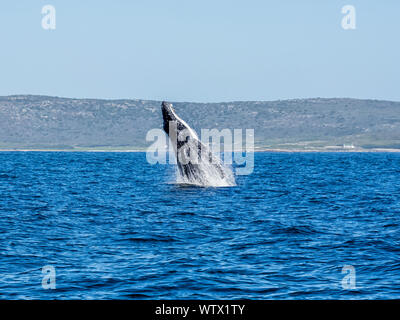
[[206, 172]]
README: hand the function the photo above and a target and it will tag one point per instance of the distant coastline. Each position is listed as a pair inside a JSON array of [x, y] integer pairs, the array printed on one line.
[[43, 123], [357, 150]]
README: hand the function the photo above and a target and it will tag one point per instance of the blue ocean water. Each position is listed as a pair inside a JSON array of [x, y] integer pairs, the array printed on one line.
[[115, 227]]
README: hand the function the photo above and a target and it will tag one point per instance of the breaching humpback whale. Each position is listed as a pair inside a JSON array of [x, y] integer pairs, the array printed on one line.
[[196, 164]]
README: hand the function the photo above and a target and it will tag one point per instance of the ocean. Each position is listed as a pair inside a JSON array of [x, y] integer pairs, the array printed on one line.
[[111, 226]]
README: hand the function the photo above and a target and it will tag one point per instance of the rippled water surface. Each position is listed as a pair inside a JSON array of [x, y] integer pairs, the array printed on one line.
[[115, 227]]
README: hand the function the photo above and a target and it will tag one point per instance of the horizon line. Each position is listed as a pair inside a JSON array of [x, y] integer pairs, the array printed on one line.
[[196, 102]]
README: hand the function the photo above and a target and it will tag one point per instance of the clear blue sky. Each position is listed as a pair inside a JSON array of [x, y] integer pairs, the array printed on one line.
[[219, 50]]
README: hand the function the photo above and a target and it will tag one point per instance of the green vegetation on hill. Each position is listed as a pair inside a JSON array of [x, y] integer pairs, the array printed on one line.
[[42, 122]]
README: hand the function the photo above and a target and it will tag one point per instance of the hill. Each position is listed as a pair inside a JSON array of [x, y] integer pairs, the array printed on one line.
[[43, 122]]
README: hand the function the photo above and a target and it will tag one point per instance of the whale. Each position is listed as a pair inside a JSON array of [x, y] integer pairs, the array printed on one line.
[[196, 163]]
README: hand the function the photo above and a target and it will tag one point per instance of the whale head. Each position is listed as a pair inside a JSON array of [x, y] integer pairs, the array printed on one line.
[[170, 117], [168, 114]]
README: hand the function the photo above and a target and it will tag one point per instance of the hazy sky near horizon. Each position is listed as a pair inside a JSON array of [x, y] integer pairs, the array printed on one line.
[[204, 51]]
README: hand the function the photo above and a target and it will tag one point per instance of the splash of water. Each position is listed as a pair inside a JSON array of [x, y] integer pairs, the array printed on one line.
[[206, 171]]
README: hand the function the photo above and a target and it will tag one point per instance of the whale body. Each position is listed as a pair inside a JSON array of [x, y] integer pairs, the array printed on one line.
[[196, 164]]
